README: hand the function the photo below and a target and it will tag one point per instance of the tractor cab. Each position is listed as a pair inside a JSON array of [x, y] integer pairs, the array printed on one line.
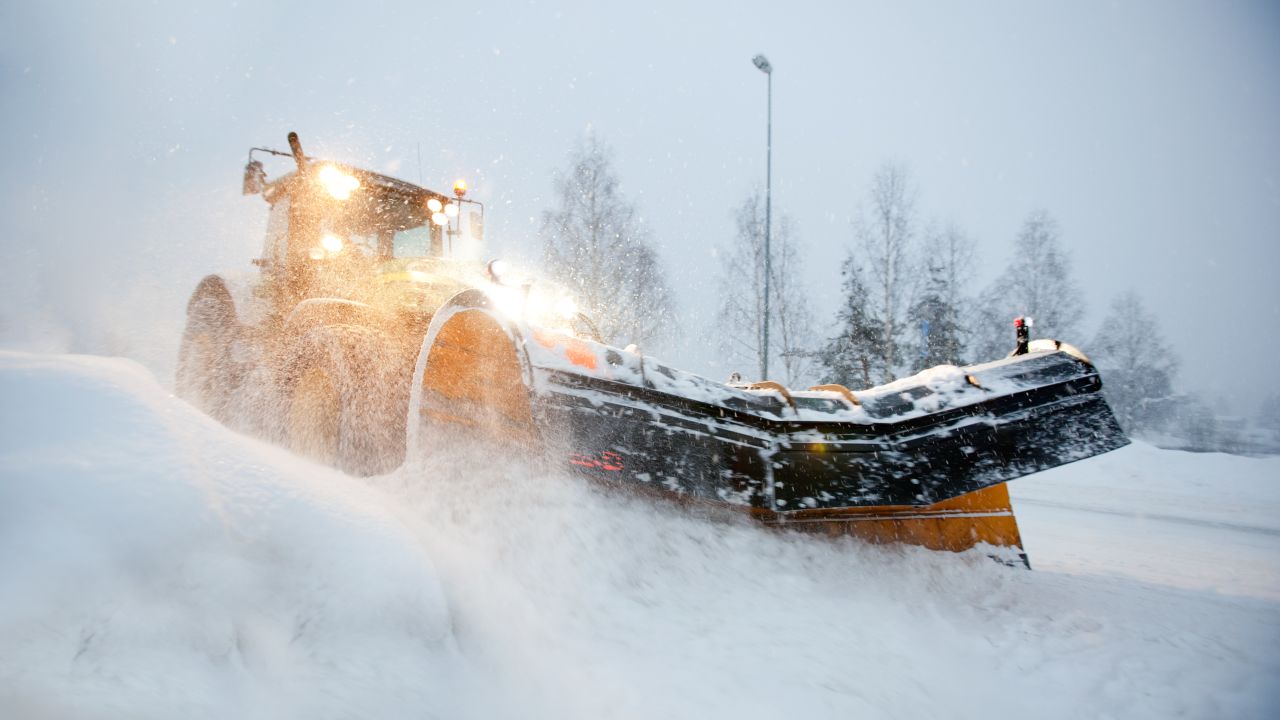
[[334, 230]]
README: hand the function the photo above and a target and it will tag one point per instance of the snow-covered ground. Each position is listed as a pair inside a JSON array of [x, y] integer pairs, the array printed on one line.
[[154, 565], [1183, 520]]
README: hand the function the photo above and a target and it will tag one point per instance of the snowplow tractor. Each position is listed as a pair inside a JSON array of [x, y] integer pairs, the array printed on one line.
[[315, 350], [371, 329], [921, 461]]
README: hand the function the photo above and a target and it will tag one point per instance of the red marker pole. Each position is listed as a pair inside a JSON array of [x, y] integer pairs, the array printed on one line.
[[1022, 326]]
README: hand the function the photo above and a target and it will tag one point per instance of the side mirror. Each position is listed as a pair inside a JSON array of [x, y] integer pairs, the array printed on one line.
[[477, 226], [255, 178]]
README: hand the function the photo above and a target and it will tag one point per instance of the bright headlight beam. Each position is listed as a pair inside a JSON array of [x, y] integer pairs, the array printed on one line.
[[340, 185], [331, 242], [567, 307], [509, 301], [496, 270]]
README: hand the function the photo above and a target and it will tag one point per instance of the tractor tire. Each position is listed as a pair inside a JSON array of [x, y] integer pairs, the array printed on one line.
[[346, 391], [208, 375]]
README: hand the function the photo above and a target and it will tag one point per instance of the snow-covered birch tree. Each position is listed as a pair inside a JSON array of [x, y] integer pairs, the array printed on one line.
[[740, 316], [1037, 283], [885, 232], [1136, 364], [596, 243]]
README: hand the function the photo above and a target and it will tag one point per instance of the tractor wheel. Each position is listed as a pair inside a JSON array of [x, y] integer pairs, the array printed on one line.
[[347, 394], [207, 374]]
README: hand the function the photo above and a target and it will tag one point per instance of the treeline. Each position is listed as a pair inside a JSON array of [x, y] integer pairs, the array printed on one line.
[[907, 299]]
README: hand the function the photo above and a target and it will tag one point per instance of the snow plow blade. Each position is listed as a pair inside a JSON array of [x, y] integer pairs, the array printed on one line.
[[922, 461]]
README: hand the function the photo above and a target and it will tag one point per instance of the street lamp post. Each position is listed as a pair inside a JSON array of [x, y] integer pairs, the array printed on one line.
[[762, 63]]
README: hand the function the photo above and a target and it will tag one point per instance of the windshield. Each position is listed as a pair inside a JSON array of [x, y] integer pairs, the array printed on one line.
[[414, 242], [384, 225]]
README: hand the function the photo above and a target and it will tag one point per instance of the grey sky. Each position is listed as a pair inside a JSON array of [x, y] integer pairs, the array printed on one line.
[[1149, 129]]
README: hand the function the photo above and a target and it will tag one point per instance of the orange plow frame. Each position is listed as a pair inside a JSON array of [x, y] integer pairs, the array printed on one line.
[[983, 516], [473, 383]]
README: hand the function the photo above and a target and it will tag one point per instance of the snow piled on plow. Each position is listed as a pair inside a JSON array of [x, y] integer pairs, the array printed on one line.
[[157, 565]]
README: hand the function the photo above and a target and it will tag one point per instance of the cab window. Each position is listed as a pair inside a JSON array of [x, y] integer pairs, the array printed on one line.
[[412, 242]]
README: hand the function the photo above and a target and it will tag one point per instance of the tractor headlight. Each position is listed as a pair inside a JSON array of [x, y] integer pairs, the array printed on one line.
[[497, 271], [566, 307], [331, 242], [339, 184]]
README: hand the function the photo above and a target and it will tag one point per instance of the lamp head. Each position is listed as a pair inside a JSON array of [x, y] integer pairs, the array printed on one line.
[[762, 62]]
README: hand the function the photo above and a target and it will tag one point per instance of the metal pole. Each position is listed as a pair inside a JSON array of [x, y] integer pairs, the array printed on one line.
[[768, 224]]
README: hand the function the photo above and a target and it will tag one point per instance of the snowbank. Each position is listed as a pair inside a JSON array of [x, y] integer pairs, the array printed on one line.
[[158, 565]]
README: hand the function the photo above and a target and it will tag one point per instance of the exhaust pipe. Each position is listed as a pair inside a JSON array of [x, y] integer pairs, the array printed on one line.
[[296, 146]]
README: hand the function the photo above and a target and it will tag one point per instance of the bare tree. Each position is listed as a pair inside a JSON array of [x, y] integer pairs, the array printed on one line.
[[1037, 283], [740, 318], [1136, 364], [596, 243], [940, 312], [885, 232], [991, 332]]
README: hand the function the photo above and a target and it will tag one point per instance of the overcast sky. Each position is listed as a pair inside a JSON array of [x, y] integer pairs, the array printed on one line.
[[1149, 129]]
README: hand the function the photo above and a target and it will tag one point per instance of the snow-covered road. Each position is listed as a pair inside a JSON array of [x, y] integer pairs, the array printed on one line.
[[154, 564], [1185, 520]]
